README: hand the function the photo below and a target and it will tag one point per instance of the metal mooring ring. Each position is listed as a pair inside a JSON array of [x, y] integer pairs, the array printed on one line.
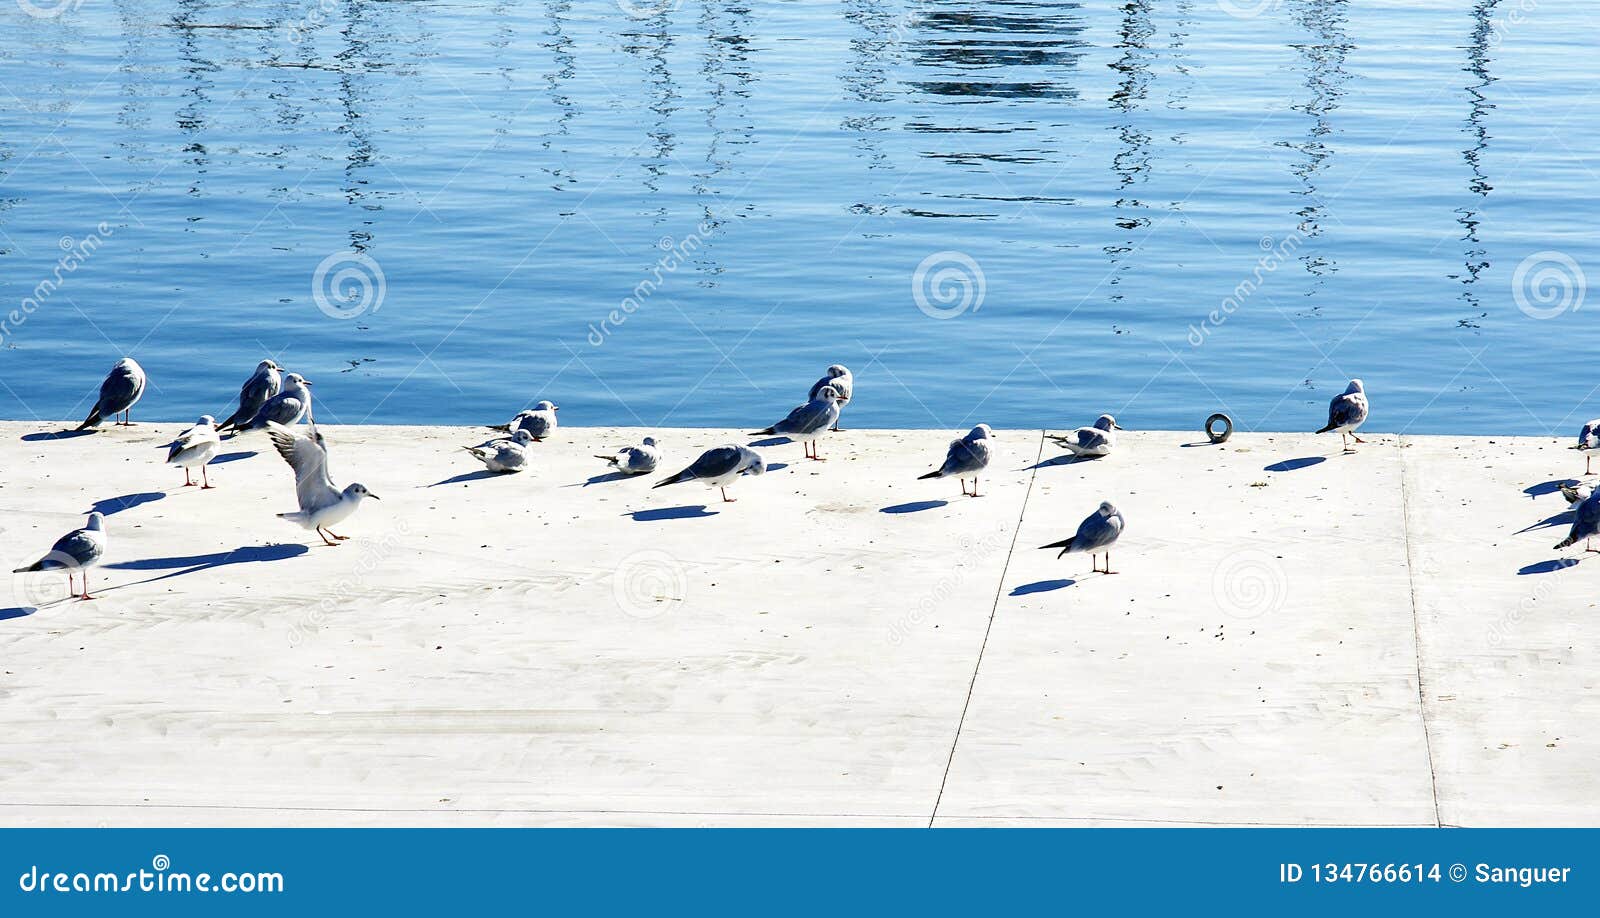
[[1227, 428]]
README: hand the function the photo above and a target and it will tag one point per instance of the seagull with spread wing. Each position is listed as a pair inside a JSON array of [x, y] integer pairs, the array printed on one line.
[[321, 504]]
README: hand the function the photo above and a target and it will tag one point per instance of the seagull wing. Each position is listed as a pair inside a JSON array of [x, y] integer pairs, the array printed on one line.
[[308, 456]]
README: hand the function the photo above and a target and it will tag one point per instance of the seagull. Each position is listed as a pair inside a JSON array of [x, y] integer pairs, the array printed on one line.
[[78, 550], [1586, 525], [121, 390], [1576, 492], [540, 421], [809, 421], [720, 467], [254, 393], [321, 504], [194, 448], [1346, 412], [1588, 439], [288, 408], [967, 456], [635, 460], [506, 454], [840, 378], [1095, 534], [1092, 442]]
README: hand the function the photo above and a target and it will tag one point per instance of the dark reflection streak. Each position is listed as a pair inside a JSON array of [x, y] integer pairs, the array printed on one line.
[[353, 61], [560, 47], [1131, 162], [728, 75], [1325, 78], [866, 78], [190, 117], [1478, 65], [1178, 94]]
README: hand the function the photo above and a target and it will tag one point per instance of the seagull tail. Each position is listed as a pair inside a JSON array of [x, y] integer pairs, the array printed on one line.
[[1566, 543], [93, 420], [936, 473], [1326, 429], [503, 428], [681, 476], [1065, 545], [763, 433], [35, 566]]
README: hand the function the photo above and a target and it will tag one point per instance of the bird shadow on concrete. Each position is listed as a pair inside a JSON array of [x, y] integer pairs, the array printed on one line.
[[1063, 459], [189, 564], [688, 512], [604, 477], [1546, 487], [469, 476], [233, 457], [1291, 465], [108, 506], [1198, 443], [7, 615], [1549, 567], [916, 506], [56, 435], [1564, 518], [772, 441], [1042, 586]]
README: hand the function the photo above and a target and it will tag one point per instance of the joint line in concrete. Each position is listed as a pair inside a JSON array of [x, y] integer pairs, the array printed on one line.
[[1416, 626]]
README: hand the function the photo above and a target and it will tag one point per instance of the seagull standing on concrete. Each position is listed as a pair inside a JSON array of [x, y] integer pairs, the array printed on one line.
[[194, 448], [76, 551], [635, 460], [287, 408], [1589, 439], [321, 504], [840, 378], [540, 421], [966, 456], [1091, 442], [720, 467], [266, 383], [1586, 525], [507, 454], [809, 421], [1095, 534], [122, 389], [1346, 412]]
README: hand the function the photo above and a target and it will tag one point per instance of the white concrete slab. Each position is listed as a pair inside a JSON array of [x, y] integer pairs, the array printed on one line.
[[556, 648]]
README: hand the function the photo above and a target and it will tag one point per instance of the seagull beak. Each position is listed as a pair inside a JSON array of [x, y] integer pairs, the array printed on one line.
[[373, 496], [306, 381]]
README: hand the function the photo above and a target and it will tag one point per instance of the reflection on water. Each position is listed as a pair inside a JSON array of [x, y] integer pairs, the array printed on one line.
[[759, 184]]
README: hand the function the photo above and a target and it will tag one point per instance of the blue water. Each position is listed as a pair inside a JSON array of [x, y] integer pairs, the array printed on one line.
[[774, 174]]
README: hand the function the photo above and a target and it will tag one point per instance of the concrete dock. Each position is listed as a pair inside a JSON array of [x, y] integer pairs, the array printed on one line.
[[1294, 637]]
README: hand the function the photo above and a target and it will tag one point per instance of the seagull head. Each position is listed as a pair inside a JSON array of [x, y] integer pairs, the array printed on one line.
[[206, 420], [295, 379], [1107, 510], [981, 432], [838, 370], [546, 406], [1355, 386], [523, 436], [828, 393], [358, 491], [267, 365], [757, 466], [97, 521], [649, 441], [1107, 422]]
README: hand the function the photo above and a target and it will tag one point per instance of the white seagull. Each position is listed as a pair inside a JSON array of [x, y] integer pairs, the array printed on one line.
[[842, 381], [506, 454], [321, 504], [635, 460], [122, 389], [1585, 524], [540, 421], [809, 421], [966, 456], [266, 383], [1095, 534], [194, 448], [1092, 442], [720, 467], [1346, 412], [76, 551], [288, 408], [1589, 439]]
